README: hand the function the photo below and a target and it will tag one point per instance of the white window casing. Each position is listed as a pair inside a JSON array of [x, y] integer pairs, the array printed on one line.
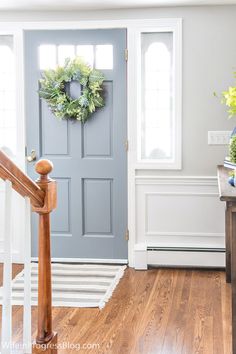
[[139, 159]]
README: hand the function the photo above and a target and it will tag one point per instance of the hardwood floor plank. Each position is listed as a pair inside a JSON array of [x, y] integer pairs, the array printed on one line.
[[218, 344], [226, 314], [177, 322], [199, 320], [136, 315], [153, 324]]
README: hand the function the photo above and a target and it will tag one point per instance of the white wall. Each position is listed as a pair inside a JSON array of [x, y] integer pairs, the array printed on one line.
[[209, 58]]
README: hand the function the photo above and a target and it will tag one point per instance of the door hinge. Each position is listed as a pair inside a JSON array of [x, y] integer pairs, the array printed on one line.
[[127, 145], [126, 54], [127, 235]]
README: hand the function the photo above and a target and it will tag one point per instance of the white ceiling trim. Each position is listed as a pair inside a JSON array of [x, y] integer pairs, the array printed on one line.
[[69, 5]]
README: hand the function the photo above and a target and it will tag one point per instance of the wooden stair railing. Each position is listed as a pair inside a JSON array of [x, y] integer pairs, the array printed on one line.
[[43, 199], [20, 182]]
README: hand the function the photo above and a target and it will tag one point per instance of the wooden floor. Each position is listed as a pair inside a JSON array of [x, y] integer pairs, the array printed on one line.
[[168, 311]]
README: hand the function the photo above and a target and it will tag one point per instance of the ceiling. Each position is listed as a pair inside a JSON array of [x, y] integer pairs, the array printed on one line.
[[60, 5]]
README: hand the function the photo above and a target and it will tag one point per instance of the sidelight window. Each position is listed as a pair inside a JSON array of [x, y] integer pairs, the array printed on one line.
[[159, 98]]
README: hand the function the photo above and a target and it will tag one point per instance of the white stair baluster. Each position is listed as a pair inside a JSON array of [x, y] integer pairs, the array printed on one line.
[[7, 274], [27, 280]]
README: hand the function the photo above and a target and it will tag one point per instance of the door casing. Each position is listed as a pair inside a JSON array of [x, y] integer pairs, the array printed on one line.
[[80, 165]]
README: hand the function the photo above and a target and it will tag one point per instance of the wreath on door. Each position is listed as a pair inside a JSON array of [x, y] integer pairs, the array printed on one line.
[[54, 84]]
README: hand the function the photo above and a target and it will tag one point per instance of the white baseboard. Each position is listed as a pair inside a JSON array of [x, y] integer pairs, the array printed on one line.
[[140, 258], [86, 260]]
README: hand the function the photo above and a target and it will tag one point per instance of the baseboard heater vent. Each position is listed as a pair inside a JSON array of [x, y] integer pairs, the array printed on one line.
[[186, 257], [186, 249]]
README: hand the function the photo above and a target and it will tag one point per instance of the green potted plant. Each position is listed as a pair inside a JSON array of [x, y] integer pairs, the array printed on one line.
[[232, 149], [229, 99], [232, 157]]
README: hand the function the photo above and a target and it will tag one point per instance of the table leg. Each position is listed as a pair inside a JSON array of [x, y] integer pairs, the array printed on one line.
[[228, 238], [233, 260]]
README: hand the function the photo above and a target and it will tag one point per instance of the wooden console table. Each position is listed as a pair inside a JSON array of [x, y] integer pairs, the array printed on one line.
[[228, 195]]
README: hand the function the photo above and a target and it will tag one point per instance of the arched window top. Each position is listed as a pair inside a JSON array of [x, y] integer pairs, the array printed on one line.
[[157, 57]]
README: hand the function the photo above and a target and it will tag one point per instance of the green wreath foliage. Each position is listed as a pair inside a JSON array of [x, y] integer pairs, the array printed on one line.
[[53, 90]]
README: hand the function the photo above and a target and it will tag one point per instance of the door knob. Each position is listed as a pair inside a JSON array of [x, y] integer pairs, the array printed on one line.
[[32, 156]]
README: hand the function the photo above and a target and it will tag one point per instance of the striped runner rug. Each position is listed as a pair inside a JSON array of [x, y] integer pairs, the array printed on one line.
[[73, 285]]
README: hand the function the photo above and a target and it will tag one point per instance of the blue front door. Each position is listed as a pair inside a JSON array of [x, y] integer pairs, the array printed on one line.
[[90, 162]]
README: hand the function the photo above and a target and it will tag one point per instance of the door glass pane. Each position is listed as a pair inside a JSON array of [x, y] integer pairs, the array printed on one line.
[[157, 96], [7, 95], [104, 57], [47, 56], [64, 52], [86, 52]]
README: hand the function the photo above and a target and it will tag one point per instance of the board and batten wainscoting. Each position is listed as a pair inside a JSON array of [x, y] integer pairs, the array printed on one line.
[[179, 222]]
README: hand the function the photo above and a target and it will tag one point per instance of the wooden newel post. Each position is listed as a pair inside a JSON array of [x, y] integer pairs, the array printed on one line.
[[46, 338]]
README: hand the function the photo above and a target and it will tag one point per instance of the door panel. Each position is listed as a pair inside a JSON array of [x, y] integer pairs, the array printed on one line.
[[49, 124], [96, 220], [60, 220], [90, 162], [97, 137]]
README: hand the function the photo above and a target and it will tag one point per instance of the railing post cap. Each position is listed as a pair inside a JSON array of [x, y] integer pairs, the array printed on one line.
[[43, 167]]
